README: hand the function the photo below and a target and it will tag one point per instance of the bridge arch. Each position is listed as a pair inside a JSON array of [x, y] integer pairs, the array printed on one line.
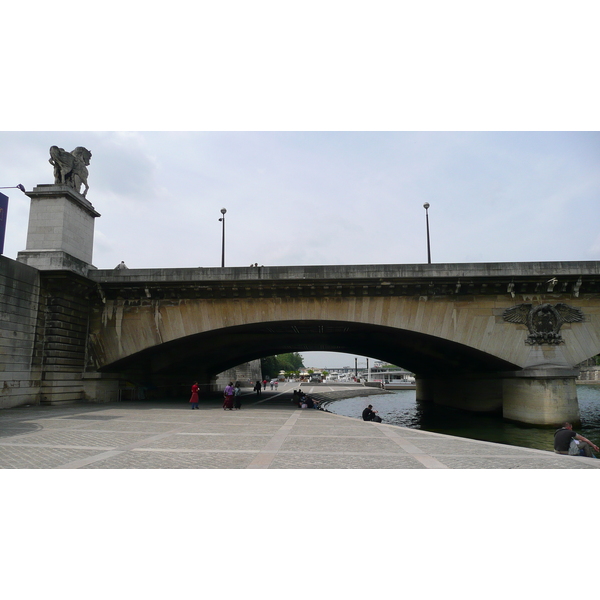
[[217, 350]]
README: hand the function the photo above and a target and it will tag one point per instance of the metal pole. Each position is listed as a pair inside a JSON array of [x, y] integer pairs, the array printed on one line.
[[426, 207], [223, 211]]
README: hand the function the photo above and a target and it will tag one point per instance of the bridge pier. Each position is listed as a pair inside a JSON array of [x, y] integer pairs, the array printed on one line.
[[541, 396], [538, 396], [474, 394]]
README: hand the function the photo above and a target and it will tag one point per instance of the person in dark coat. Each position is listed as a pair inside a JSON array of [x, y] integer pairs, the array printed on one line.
[[368, 414], [237, 397], [258, 388]]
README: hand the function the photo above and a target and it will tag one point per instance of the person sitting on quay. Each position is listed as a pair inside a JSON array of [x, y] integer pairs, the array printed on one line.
[[563, 437], [369, 414]]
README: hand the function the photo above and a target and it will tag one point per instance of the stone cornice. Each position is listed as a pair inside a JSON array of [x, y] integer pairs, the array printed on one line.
[[47, 191], [554, 279]]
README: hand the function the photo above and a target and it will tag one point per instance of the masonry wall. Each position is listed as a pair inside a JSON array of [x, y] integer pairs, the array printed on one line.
[[19, 301], [60, 351]]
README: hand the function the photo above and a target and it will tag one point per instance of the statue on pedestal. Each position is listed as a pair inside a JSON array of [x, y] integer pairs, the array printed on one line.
[[70, 168]]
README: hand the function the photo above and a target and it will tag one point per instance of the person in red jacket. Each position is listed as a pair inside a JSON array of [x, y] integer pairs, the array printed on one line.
[[194, 398]]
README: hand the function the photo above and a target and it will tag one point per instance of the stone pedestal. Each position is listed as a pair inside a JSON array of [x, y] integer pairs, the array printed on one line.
[[60, 235], [541, 396]]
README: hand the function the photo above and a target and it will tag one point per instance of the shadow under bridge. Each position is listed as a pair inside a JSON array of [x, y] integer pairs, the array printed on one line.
[[204, 355]]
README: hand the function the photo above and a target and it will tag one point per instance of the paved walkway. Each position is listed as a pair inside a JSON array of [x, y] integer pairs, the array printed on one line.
[[266, 434]]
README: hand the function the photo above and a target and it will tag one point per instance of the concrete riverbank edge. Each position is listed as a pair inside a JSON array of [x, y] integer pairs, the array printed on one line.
[[268, 433]]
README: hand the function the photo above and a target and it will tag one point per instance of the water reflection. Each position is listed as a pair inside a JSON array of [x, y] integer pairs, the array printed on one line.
[[401, 408]]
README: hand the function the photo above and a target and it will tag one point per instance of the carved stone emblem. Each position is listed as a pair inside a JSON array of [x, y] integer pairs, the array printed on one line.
[[70, 168], [543, 321]]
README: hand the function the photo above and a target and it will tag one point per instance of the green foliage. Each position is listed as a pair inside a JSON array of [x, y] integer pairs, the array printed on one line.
[[291, 361], [271, 365]]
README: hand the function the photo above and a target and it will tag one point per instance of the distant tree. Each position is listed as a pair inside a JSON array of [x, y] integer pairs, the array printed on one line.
[[272, 365], [290, 361], [269, 367]]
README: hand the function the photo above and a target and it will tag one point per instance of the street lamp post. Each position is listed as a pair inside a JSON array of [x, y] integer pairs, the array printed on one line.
[[426, 207], [223, 211]]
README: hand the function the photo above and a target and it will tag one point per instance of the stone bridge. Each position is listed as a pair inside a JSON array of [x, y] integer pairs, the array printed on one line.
[[483, 337]]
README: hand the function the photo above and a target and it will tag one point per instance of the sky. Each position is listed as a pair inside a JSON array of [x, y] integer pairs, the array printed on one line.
[[322, 198], [322, 127]]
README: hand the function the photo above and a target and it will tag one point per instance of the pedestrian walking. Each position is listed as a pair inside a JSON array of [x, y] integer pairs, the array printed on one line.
[[228, 395], [237, 396]]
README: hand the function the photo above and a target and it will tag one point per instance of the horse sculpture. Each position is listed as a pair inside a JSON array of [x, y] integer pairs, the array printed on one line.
[[70, 168]]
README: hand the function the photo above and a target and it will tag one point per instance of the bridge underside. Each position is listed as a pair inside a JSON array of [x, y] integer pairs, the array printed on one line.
[[209, 353]]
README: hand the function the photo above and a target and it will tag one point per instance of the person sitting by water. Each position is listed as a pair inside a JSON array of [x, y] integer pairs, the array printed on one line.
[[563, 437], [309, 402], [368, 414]]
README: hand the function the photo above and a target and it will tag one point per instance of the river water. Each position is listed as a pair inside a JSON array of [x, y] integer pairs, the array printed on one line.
[[401, 408]]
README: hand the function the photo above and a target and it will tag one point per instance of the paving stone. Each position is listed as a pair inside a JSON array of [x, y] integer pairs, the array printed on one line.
[[340, 444], [265, 434], [175, 460], [285, 460], [212, 442], [18, 457]]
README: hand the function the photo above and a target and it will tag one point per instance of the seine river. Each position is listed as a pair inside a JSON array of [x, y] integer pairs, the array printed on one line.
[[401, 408]]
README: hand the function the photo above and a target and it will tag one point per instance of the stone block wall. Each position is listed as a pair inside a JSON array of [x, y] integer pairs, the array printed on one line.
[[62, 333], [19, 300], [247, 374], [589, 375]]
